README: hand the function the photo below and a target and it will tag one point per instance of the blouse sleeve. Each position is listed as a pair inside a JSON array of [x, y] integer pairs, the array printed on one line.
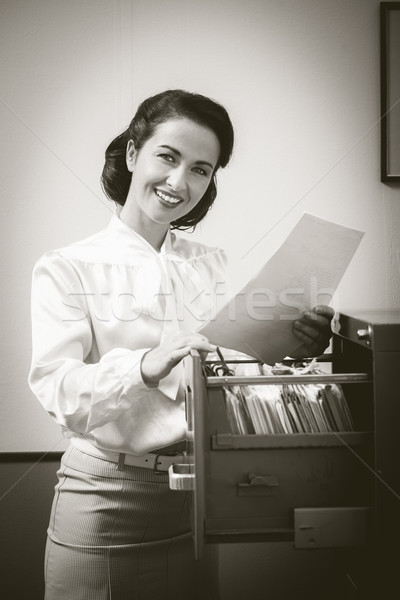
[[79, 396]]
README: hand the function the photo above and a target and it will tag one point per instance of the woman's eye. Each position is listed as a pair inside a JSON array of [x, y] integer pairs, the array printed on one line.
[[167, 157], [200, 171]]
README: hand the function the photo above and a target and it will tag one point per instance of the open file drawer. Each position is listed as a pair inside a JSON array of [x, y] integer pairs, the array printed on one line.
[[257, 487], [320, 490]]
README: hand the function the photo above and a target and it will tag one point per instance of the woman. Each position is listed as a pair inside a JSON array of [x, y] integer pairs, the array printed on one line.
[[113, 316]]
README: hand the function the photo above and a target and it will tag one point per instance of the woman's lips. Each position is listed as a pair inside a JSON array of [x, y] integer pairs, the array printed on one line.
[[167, 198]]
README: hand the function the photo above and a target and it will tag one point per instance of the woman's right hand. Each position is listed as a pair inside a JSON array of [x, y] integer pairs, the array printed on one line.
[[158, 362]]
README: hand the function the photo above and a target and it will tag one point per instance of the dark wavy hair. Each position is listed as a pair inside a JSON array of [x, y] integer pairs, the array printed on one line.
[[171, 104]]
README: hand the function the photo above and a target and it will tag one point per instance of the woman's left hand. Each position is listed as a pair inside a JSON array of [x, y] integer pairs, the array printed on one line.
[[313, 329]]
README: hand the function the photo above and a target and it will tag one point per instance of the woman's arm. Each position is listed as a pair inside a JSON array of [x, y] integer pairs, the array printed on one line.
[[79, 396]]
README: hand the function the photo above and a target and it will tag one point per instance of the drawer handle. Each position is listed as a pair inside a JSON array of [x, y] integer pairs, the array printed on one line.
[[365, 335], [181, 477], [258, 485]]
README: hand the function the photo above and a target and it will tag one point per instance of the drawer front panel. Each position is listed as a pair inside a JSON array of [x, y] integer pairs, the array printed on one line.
[[265, 486]]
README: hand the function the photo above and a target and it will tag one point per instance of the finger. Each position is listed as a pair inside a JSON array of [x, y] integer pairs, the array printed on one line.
[[310, 333], [324, 310], [309, 346], [316, 321], [197, 341], [204, 346], [307, 335], [177, 355]]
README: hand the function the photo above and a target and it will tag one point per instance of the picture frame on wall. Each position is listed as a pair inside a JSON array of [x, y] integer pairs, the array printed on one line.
[[390, 91]]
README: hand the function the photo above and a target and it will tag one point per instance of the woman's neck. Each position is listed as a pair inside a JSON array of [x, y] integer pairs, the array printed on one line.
[[153, 233]]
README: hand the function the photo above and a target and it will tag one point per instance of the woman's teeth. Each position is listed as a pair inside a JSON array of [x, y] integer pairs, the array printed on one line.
[[167, 198]]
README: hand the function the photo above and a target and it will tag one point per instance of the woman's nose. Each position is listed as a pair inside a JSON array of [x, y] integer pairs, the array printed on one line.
[[177, 180]]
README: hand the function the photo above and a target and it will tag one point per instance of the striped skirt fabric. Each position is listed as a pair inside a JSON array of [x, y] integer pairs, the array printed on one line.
[[122, 534]]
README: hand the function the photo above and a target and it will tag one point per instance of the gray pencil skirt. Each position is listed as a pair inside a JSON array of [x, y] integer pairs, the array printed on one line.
[[122, 535]]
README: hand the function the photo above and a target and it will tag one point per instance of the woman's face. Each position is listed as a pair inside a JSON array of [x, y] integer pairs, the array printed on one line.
[[172, 171]]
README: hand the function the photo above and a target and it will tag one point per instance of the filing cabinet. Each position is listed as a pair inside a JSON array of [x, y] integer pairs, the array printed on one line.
[[318, 490]]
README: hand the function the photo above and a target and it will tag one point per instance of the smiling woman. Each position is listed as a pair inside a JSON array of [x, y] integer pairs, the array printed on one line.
[[113, 316], [171, 105], [172, 172]]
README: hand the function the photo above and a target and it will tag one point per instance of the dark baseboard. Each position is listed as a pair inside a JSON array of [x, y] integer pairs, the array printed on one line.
[[7, 457]]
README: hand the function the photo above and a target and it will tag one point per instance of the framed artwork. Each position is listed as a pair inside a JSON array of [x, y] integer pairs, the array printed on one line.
[[390, 91]]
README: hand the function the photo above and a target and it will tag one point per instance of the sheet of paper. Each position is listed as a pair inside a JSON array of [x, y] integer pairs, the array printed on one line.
[[304, 272]]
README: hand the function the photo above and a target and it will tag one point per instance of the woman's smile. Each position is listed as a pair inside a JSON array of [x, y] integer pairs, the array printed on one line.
[[168, 199]]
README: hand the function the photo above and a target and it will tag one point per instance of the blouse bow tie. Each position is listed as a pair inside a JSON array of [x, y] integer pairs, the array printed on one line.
[[160, 277]]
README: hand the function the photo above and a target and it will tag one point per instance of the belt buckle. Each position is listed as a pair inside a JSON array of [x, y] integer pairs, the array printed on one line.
[[156, 463]]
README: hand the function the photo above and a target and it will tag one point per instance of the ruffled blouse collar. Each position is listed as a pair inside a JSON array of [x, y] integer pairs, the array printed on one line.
[[130, 235]]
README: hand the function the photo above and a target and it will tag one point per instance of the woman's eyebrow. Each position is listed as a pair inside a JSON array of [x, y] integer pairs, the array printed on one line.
[[175, 151]]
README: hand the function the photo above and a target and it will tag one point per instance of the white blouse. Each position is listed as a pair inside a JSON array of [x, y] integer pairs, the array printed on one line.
[[97, 306]]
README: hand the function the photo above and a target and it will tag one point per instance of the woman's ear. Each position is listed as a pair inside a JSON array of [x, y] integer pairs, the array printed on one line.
[[130, 155]]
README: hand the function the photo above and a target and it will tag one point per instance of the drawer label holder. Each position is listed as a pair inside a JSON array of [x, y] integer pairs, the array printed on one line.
[[258, 485]]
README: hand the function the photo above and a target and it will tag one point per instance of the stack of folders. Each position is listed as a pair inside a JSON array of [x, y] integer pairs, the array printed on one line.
[[294, 408]]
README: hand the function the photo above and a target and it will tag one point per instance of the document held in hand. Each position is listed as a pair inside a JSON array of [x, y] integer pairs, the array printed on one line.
[[304, 272]]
